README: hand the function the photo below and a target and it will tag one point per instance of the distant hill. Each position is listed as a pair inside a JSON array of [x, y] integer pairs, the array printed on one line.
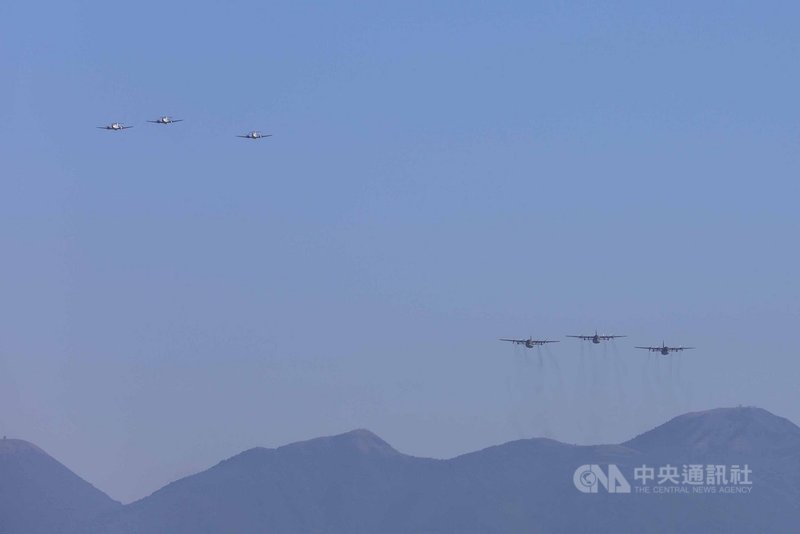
[[357, 483], [38, 495], [746, 430]]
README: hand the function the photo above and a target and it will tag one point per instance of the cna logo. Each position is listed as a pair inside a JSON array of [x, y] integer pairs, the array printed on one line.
[[589, 477]]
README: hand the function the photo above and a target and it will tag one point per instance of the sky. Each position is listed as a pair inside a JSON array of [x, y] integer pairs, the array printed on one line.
[[441, 174]]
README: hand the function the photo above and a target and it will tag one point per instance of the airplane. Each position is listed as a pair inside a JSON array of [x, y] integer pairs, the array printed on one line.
[[254, 135], [596, 338], [530, 342], [664, 349], [165, 120], [115, 126]]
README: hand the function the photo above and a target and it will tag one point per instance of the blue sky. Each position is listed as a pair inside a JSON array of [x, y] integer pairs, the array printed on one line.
[[441, 174]]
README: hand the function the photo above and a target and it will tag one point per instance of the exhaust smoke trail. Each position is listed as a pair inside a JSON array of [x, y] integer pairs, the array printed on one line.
[[619, 378], [528, 393]]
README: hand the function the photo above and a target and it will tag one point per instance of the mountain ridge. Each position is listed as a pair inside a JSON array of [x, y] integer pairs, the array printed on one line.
[[355, 482], [13, 445], [741, 429], [38, 494]]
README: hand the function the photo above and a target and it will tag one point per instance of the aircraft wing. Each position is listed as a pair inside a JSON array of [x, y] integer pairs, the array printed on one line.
[[582, 337], [155, 122], [548, 341], [610, 337], [176, 120], [125, 127], [648, 348], [514, 340]]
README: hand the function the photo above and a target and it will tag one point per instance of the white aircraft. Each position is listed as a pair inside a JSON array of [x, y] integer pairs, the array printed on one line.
[[165, 120], [254, 135], [664, 349], [596, 338], [530, 342], [115, 126]]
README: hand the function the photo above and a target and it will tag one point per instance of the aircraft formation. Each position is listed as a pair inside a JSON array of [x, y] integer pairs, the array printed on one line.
[[166, 119], [596, 339], [529, 343]]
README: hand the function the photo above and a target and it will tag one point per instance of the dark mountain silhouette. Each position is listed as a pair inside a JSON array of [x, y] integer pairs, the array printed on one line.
[[39, 495], [357, 483], [725, 431]]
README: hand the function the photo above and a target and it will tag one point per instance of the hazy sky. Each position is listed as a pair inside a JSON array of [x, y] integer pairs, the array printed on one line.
[[441, 174]]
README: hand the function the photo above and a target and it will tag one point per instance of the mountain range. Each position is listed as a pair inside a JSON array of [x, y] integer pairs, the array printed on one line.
[[357, 483]]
